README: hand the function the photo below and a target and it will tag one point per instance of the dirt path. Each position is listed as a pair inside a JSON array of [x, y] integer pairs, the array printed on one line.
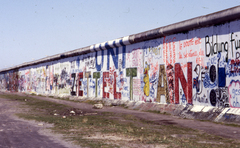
[[18, 133], [208, 127], [15, 132]]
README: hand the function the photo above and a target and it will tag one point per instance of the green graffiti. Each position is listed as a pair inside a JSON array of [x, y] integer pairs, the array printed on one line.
[[131, 72], [96, 76]]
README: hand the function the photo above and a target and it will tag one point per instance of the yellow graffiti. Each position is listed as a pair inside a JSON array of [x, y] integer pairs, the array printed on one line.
[[44, 72], [155, 50], [146, 81]]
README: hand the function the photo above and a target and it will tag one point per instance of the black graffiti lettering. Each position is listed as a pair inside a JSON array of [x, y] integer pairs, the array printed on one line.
[[226, 46], [226, 49], [212, 73], [211, 49], [237, 55], [237, 44], [73, 93], [212, 46], [215, 46], [232, 40], [221, 47], [207, 46]]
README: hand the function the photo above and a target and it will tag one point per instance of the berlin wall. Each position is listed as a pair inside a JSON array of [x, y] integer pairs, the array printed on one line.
[[191, 62]]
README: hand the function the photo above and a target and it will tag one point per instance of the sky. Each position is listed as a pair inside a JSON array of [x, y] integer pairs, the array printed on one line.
[[34, 29]]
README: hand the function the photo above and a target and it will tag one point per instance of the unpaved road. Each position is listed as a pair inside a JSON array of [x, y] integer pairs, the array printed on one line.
[[16, 132]]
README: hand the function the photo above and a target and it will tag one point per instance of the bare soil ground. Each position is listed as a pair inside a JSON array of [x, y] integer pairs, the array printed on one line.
[[18, 133], [36, 133]]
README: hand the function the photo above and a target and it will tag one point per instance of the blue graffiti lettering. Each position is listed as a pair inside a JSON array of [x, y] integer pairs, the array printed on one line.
[[207, 83], [235, 92], [236, 104], [99, 66], [114, 57]]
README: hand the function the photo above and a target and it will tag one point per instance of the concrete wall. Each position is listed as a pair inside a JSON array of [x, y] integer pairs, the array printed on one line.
[[198, 66]]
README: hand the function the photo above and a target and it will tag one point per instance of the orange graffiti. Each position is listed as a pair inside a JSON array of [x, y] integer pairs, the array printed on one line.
[[201, 52], [189, 54], [188, 43], [169, 50], [199, 60], [198, 41]]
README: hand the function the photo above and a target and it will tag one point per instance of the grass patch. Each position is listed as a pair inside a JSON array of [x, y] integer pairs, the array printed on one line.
[[109, 129], [158, 112], [92, 102]]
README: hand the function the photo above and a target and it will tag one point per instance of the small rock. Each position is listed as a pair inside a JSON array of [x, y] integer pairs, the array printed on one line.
[[25, 100], [55, 114], [234, 132], [40, 124], [98, 106], [72, 112], [64, 116]]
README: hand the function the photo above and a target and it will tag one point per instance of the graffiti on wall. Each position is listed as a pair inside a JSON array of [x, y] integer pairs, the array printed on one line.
[[234, 93], [196, 67]]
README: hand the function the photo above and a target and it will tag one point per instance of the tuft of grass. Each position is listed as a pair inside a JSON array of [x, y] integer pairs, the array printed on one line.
[[92, 102], [158, 112], [51, 96]]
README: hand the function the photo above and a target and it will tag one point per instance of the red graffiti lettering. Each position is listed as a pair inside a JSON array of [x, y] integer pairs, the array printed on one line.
[[188, 43], [80, 76], [186, 84], [180, 45], [198, 41], [105, 76]]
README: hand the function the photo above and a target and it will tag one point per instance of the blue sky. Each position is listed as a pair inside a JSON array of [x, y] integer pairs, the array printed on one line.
[[33, 29]]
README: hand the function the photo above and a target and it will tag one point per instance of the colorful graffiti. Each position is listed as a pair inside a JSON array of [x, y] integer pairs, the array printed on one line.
[[187, 68], [162, 85], [146, 88]]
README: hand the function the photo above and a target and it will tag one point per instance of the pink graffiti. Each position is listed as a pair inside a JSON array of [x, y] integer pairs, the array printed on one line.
[[169, 50], [137, 87], [234, 94]]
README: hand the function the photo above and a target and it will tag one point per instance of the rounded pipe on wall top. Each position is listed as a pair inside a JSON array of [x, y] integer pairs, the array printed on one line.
[[187, 25]]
